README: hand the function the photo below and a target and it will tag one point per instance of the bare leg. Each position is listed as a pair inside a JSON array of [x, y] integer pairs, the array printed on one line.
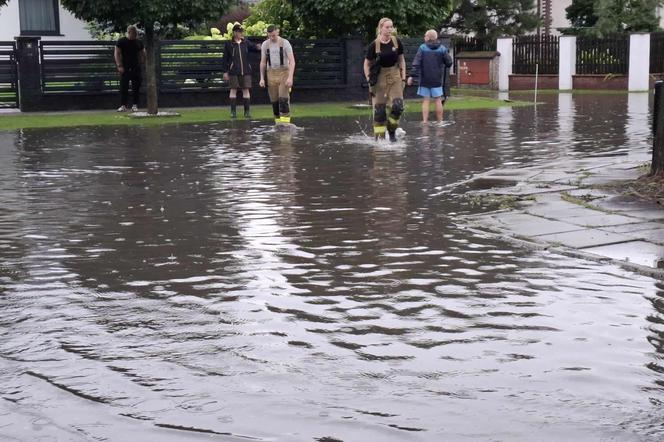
[[425, 109], [439, 109]]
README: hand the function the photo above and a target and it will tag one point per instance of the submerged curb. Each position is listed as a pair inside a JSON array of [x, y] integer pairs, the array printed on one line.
[[531, 244], [572, 206]]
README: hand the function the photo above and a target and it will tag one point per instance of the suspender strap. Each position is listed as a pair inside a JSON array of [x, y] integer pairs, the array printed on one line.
[[281, 53]]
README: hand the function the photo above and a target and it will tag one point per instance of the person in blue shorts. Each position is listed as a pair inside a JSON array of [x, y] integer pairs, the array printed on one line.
[[429, 66]]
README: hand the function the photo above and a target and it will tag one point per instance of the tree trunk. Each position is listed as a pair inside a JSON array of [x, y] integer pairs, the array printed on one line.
[[657, 167], [151, 69]]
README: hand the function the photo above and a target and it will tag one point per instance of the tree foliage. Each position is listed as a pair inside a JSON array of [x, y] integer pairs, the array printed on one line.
[[277, 12], [258, 29], [158, 14], [581, 14], [624, 16], [340, 18], [606, 17], [238, 13], [489, 19]]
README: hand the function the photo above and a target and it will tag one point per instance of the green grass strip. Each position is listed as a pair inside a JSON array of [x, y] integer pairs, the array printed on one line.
[[215, 114]]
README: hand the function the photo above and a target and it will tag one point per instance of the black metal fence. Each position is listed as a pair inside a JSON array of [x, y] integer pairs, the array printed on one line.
[[321, 62], [8, 81], [410, 47], [190, 65], [196, 65], [657, 53], [182, 65], [78, 67], [608, 55], [462, 43], [82, 74], [533, 53]]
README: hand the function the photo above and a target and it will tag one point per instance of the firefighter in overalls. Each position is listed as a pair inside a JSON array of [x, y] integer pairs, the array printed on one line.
[[385, 71], [278, 60]]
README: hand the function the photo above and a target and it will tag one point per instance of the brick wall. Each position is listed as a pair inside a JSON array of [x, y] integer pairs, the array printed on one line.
[[519, 82], [600, 81]]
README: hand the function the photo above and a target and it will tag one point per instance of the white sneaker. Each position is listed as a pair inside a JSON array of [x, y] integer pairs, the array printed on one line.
[[134, 108], [122, 108]]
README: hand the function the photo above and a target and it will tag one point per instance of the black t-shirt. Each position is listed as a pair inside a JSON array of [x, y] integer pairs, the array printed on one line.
[[389, 55], [130, 50]]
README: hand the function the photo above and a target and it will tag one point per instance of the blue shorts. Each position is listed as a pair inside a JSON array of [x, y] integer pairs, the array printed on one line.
[[430, 92]]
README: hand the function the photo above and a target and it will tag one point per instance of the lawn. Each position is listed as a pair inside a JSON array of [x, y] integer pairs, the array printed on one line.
[[214, 114]]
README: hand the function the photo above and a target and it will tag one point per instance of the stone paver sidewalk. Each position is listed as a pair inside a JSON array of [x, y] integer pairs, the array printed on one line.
[[568, 206]]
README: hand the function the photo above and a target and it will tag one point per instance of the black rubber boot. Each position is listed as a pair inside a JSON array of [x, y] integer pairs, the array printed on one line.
[[233, 107], [247, 112], [393, 135]]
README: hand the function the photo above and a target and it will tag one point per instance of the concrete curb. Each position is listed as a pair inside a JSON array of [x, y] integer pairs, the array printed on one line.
[[531, 244]]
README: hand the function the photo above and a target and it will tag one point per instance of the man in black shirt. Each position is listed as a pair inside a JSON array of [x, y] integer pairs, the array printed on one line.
[[129, 56]]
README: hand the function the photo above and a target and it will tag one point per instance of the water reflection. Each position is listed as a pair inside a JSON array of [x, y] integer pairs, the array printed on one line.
[[566, 117], [190, 281], [638, 122]]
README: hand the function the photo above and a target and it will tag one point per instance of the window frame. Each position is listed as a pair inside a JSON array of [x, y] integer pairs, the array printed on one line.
[[38, 32]]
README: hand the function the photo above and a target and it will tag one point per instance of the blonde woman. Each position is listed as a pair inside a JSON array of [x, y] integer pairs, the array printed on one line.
[[385, 70]]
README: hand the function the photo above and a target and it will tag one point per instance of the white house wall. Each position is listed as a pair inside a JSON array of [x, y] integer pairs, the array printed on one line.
[[9, 24], [558, 15], [71, 28]]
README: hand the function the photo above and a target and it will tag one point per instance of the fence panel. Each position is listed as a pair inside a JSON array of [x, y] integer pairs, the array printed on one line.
[[8, 82], [410, 46], [609, 55], [471, 44], [190, 65], [78, 67], [320, 62], [657, 53], [531, 51]]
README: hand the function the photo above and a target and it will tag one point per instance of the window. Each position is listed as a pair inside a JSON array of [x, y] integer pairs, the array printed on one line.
[[39, 17]]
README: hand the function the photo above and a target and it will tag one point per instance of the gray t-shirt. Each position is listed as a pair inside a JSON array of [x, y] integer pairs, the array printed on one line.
[[274, 61]]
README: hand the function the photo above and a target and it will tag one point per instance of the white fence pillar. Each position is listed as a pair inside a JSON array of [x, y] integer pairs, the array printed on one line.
[[504, 47], [639, 62], [566, 62]]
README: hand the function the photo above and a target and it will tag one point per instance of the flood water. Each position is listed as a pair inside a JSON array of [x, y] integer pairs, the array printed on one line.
[[229, 282]]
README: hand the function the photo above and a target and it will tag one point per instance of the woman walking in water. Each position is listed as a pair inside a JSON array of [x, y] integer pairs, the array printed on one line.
[[385, 71]]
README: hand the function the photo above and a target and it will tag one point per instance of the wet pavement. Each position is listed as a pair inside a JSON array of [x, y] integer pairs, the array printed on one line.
[[571, 204], [212, 282]]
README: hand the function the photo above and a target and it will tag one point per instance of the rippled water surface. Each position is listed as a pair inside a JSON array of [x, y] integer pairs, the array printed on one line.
[[216, 282]]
